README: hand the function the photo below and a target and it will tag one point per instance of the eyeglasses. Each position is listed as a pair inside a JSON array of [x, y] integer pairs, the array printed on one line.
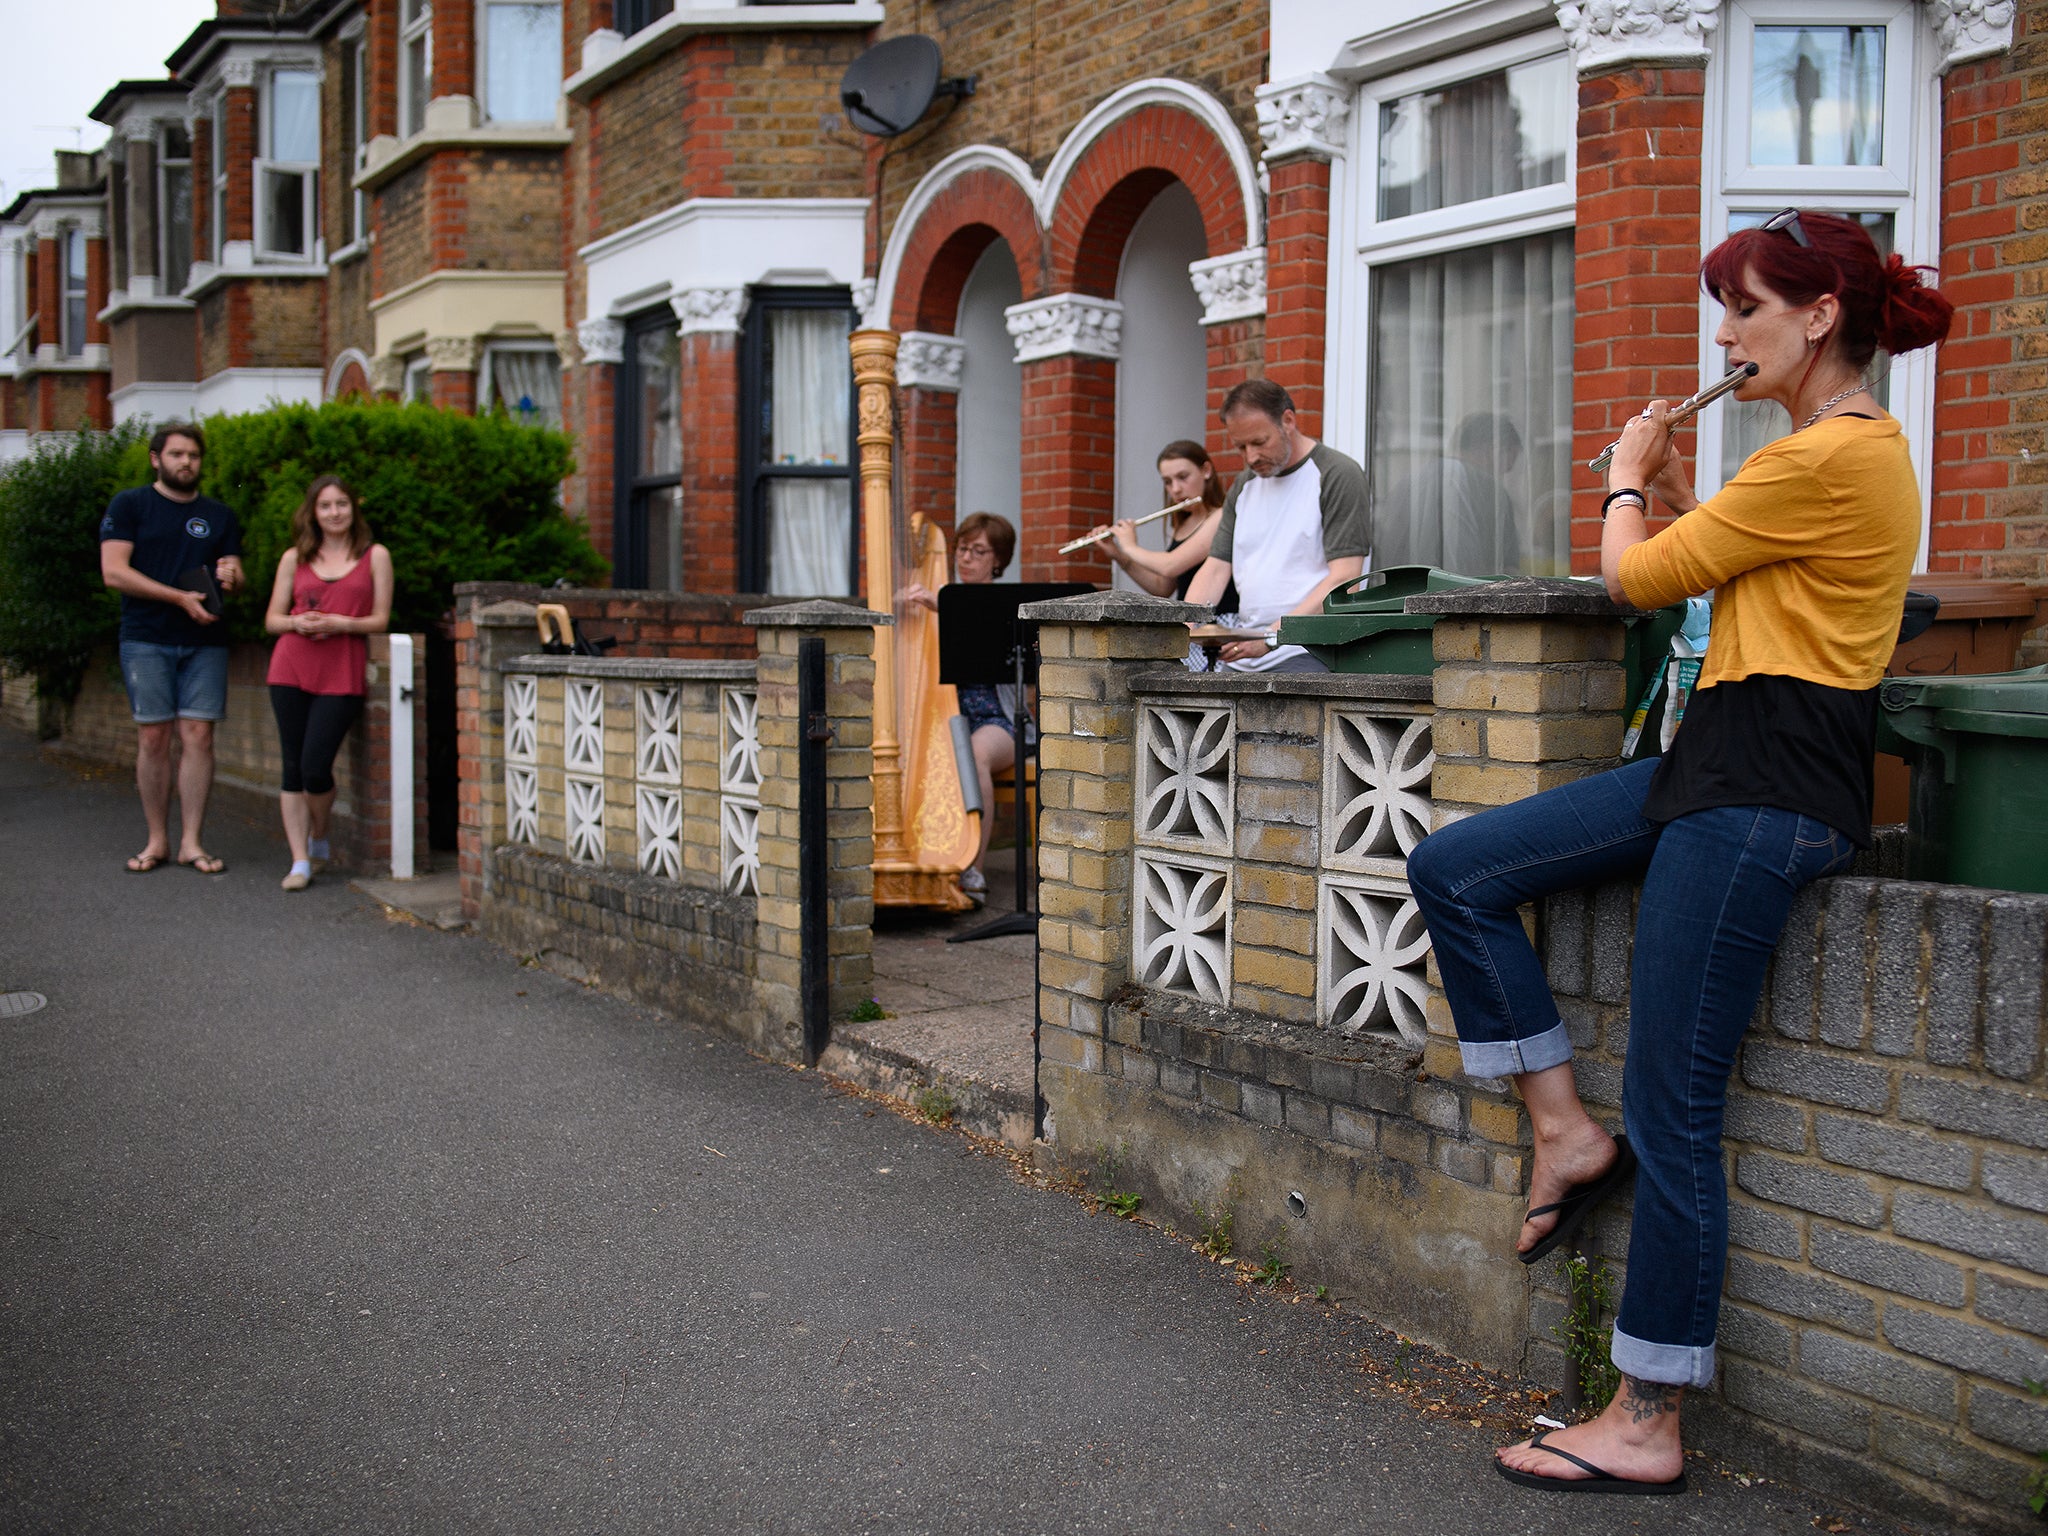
[[1788, 221]]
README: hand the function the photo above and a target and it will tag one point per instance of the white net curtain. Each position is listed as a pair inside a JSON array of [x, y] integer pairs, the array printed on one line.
[[809, 385]]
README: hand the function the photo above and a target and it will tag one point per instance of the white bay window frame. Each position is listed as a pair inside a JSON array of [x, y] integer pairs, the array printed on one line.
[[485, 63], [1362, 242], [415, 64], [1906, 185], [268, 172]]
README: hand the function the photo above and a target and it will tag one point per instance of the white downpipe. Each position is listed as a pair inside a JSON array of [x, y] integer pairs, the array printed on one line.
[[401, 757]]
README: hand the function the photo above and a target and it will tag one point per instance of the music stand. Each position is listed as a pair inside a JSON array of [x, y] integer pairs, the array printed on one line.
[[981, 640]]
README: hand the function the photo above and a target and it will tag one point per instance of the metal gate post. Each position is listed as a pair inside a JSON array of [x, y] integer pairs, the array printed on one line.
[[814, 852], [400, 739]]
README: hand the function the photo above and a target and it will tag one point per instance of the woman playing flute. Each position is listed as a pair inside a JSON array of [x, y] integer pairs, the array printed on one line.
[[1766, 788], [1185, 473]]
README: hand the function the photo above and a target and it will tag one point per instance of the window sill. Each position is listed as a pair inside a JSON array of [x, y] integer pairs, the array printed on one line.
[[121, 302], [355, 250], [387, 156], [97, 358], [206, 276], [607, 56]]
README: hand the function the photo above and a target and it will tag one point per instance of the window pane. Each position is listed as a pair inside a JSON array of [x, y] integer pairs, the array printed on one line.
[[629, 16], [415, 84], [524, 66], [413, 10], [810, 537], [1749, 424], [807, 406], [659, 363], [285, 212], [663, 511], [177, 144], [1500, 133], [1472, 409], [74, 292], [177, 253], [528, 384], [1818, 96], [295, 116]]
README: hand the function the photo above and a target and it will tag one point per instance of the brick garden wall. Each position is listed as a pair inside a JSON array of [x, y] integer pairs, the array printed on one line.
[[1887, 1139]]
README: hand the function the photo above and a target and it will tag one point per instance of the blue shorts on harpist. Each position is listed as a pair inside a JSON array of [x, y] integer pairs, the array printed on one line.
[[175, 682]]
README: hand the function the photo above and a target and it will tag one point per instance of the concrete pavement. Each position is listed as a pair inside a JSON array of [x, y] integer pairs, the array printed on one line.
[[311, 1220]]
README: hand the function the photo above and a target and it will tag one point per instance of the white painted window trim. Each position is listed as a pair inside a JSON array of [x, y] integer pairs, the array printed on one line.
[[1913, 112], [1362, 241], [407, 33], [307, 172], [492, 347], [482, 46]]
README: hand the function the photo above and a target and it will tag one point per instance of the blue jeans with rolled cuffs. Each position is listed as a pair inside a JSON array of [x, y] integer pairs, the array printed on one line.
[[1717, 886]]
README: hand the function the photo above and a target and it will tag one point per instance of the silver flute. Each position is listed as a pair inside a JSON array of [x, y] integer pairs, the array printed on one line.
[[1686, 409]]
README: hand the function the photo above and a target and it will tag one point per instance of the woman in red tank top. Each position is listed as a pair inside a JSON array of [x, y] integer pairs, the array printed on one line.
[[333, 589]]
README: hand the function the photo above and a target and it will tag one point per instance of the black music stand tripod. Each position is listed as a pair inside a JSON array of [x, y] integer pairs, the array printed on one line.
[[981, 640]]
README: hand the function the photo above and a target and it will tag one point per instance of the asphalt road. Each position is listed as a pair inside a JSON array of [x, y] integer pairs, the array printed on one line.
[[312, 1220]]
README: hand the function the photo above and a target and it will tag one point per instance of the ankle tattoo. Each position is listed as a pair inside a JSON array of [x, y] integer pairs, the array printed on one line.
[[1646, 1400]]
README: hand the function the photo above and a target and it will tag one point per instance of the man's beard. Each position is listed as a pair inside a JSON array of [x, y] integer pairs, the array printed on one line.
[[179, 480]]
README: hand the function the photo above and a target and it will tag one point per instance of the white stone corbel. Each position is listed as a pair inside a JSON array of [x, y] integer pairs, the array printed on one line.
[[925, 360], [387, 375], [453, 354], [864, 304], [1231, 287], [602, 340], [709, 311], [1066, 323], [1614, 34], [238, 72], [1971, 29], [1304, 116]]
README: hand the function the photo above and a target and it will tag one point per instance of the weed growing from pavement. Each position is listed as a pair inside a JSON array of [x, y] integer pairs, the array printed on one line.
[[1219, 1228], [1274, 1269], [867, 1012], [1587, 1340], [937, 1105], [1118, 1202]]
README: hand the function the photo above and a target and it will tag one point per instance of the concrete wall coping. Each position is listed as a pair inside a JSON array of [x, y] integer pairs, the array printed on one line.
[[509, 614], [1113, 608], [1531, 597], [640, 668], [816, 613], [530, 591], [1309, 685]]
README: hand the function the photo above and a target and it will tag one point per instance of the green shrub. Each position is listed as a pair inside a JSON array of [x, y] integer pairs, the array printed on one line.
[[453, 497], [53, 608]]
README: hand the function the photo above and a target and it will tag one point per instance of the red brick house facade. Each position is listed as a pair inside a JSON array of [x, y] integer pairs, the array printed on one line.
[[1465, 240]]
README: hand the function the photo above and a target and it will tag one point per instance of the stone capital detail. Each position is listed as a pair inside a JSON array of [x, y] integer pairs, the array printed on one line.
[[1231, 287], [602, 340], [453, 354], [387, 375], [718, 311], [928, 361], [864, 302], [238, 72], [1612, 34], [1971, 29], [1066, 323], [1304, 116]]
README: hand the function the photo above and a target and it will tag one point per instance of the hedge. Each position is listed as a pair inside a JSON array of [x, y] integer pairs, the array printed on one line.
[[453, 497]]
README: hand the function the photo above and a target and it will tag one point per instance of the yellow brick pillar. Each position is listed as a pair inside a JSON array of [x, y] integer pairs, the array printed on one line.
[[1089, 647], [849, 636], [1529, 694]]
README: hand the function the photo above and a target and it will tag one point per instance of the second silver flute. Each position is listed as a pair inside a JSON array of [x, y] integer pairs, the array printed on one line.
[[1686, 409]]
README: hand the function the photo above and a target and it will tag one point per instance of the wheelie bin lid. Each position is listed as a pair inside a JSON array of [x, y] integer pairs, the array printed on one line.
[[1993, 703], [1384, 591]]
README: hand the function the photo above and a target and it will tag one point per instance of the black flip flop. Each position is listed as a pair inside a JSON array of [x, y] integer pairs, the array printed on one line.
[[1578, 1203], [1596, 1480]]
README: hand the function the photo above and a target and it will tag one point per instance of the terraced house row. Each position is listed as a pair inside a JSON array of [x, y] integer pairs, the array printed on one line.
[[1464, 234]]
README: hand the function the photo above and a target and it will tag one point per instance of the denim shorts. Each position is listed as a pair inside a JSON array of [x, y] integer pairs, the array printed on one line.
[[175, 682]]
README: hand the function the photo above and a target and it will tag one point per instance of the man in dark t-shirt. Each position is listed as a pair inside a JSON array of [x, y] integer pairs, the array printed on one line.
[[170, 552]]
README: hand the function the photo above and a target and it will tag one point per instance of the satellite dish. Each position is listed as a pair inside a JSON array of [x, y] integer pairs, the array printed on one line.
[[888, 89]]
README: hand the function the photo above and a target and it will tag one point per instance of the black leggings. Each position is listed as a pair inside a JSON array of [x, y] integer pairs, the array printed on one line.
[[309, 729]]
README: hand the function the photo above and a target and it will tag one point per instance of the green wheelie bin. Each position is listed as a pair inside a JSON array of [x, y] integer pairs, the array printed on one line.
[[1979, 750]]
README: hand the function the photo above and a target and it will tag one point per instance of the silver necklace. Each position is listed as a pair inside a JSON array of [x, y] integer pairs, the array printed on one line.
[[1829, 404]]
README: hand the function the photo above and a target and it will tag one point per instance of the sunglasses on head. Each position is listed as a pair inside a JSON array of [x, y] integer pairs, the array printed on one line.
[[1788, 221]]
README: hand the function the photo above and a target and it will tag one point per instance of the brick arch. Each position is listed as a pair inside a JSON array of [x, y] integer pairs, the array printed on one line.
[[975, 209], [1119, 174], [353, 381]]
